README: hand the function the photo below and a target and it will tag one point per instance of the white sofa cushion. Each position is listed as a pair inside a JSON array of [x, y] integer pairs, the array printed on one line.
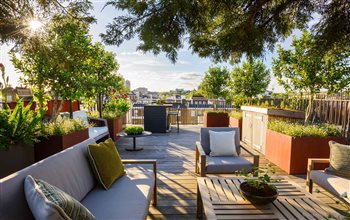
[[339, 186], [222, 143], [97, 131], [128, 198], [82, 116]]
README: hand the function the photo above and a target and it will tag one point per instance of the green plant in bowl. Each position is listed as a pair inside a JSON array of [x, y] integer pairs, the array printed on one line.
[[133, 130]]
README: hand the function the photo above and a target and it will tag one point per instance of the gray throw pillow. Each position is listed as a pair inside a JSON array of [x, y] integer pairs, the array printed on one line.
[[49, 202], [339, 160]]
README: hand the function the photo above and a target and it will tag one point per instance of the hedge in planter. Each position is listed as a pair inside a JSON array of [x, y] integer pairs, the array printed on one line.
[[58, 136], [289, 145], [18, 131], [215, 119]]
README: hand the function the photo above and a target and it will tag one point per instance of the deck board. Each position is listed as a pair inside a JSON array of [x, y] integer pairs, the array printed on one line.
[[175, 154]]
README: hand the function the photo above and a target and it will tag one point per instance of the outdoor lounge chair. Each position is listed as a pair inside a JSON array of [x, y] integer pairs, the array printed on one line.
[[336, 185], [206, 164]]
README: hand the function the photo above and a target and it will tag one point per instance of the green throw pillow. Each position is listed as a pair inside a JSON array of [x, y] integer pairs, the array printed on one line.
[[106, 163], [49, 202], [339, 160]]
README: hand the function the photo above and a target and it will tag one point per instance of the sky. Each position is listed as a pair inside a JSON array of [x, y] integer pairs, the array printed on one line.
[[157, 73]]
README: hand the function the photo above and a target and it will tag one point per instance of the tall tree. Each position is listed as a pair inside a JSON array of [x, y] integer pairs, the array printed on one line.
[[306, 69], [66, 62], [249, 80], [224, 29], [215, 83]]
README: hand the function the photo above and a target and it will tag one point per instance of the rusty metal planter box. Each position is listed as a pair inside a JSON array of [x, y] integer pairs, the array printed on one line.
[[115, 126], [291, 153], [55, 144], [216, 119], [236, 123]]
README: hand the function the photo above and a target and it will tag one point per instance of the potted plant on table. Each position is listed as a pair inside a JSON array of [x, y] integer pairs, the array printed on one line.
[[133, 130], [259, 190], [59, 135], [113, 112], [216, 118], [18, 131]]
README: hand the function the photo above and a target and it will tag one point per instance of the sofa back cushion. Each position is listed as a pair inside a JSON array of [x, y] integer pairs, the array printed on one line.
[[205, 141], [68, 170], [82, 116], [339, 160]]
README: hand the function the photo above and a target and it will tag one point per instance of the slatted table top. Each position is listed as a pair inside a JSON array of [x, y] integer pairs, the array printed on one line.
[[221, 199]]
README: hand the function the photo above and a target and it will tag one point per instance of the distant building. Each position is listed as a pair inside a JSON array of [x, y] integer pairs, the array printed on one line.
[[141, 91], [128, 84]]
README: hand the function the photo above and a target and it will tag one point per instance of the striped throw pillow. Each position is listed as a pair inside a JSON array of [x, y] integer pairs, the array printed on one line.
[[339, 160], [49, 202]]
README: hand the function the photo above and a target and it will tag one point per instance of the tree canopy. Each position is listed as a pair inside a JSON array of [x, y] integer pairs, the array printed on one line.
[[215, 83], [306, 69], [249, 80], [15, 15], [225, 29]]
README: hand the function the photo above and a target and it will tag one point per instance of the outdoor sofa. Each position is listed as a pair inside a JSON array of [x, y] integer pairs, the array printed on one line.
[[336, 185], [128, 198]]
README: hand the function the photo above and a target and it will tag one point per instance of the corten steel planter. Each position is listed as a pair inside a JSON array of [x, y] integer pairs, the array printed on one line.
[[15, 158], [115, 126], [236, 123], [216, 119], [55, 144], [291, 153]]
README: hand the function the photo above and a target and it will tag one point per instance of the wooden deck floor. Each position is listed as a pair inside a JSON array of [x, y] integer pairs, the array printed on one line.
[[176, 178]]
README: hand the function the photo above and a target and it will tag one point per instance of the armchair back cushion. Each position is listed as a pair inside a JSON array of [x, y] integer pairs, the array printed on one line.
[[82, 116], [205, 140], [339, 160]]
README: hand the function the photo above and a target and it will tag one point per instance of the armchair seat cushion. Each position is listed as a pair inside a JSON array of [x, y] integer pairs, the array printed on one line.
[[97, 131], [336, 185], [128, 198], [228, 164]]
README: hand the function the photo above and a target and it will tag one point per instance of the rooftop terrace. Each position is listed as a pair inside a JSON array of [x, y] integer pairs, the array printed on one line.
[[175, 154]]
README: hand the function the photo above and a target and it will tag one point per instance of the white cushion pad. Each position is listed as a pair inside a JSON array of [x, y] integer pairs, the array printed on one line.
[[222, 143]]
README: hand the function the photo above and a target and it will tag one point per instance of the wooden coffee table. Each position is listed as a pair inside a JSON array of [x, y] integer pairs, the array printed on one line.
[[221, 199]]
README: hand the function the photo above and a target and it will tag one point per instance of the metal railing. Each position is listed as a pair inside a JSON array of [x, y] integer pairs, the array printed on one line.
[[187, 116]]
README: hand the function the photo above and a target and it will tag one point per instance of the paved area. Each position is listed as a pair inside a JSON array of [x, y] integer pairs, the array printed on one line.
[[175, 154]]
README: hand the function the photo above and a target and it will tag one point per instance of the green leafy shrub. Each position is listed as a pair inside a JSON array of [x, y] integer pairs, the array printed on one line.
[[215, 111], [62, 126], [133, 130], [237, 115], [19, 126], [295, 129], [115, 108]]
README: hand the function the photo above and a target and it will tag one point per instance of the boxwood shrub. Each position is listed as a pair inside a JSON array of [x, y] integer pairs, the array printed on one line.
[[296, 129]]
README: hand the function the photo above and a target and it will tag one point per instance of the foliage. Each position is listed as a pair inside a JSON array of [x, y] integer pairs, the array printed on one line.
[[19, 126], [66, 62], [224, 30], [133, 130], [4, 84], [16, 15], [296, 129], [306, 69], [263, 177], [215, 111], [193, 93], [236, 115], [249, 80], [62, 126], [116, 108], [215, 82]]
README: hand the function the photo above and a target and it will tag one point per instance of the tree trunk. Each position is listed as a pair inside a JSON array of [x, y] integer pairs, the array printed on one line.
[[70, 109], [56, 110], [99, 104], [308, 111]]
